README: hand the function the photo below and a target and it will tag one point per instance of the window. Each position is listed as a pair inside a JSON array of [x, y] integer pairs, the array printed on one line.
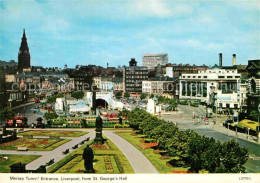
[[237, 76], [205, 76], [229, 77], [221, 76], [199, 76], [194, 76]]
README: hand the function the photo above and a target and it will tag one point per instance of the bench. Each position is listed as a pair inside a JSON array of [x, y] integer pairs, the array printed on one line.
[[75, 147], [50, 162], [54, 137], [28, 136], [66, 151], [22, 148]]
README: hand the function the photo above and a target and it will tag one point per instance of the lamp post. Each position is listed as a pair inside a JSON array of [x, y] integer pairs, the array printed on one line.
[[228, 129], [258, 124], [236, 131], [248, 133], [10, 102]]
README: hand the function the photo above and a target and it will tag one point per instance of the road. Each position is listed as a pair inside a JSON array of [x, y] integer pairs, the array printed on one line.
[[184, 120], [26, 111]]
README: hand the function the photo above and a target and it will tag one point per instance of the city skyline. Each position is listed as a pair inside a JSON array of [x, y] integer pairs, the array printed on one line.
[[81, 33]]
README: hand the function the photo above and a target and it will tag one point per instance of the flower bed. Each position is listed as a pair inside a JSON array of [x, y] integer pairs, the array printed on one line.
[[147, 145], [165, 157], [180, 172], [100, 146]]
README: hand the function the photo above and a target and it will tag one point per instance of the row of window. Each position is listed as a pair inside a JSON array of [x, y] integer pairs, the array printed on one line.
[[207, 77], [137, 77]]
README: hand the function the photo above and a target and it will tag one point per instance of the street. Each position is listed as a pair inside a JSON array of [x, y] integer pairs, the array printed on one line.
[[185, 121], [26, 111]]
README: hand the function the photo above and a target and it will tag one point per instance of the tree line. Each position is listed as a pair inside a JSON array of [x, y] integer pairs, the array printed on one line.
[[194, 150]]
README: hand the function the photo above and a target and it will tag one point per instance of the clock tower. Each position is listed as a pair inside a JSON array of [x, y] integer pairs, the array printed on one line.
[[24, 58]]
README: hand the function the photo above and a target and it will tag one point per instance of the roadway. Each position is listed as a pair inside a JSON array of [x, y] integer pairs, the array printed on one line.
[[184, 120]]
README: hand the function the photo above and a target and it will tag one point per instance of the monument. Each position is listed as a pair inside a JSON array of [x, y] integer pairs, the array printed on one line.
[[88, 157], [99, 125]]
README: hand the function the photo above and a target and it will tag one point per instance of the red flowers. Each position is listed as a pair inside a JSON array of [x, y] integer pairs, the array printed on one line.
[[148, 145]]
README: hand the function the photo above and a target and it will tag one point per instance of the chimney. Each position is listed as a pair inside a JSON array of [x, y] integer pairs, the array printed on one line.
[[234, 59], [220, 60]]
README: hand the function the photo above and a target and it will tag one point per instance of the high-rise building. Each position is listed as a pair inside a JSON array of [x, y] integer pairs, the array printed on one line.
[[24, 58], [133, 77], [152, 60]]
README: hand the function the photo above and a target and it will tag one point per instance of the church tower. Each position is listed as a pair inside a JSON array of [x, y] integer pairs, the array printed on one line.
[[24, 58]]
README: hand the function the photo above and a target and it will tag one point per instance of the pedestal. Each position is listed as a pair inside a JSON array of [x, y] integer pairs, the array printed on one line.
[[98, 139]]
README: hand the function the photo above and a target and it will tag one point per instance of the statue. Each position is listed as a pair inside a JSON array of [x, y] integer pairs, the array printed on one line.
[[120, 120], [88, 157], [99, 125]]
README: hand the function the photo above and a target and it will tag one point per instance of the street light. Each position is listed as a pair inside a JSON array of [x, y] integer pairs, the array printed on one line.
[[258, 124], [10, 102]]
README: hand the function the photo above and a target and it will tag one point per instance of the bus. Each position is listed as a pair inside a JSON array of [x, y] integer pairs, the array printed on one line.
[[17, 121]]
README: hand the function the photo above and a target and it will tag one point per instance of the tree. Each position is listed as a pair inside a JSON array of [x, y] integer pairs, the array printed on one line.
[[151, 96], [143, 96], [126, 95], [254, 115], [233, 157], [6, 114], [77, 94], [118, 95], [52, 99], [50, 115]]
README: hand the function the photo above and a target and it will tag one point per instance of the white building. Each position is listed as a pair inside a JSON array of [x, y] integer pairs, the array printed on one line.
[[212, 86], [103, 83], [152, 60], [159, 87]]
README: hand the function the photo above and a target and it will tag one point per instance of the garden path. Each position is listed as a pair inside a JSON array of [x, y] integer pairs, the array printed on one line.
[[57, 153], [138, 161]]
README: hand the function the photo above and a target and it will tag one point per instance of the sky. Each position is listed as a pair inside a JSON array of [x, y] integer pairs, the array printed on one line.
[[77, 32]]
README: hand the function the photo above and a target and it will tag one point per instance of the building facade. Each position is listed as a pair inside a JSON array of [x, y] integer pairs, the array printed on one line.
[[160, 86], [186, 69], [253, 95], [213, 87], [152, 60], [133, 77]]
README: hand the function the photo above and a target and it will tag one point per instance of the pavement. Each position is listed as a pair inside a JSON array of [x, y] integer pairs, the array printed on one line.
[[56, 154], [138, 161]]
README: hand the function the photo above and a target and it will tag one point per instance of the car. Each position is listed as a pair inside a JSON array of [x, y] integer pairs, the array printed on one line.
[[206, 120]]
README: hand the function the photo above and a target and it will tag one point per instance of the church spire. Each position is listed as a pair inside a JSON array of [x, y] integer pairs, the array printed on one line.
[[24, 54]]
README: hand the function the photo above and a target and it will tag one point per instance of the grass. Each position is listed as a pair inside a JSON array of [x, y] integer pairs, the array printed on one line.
[[34, 144], [24, 159], [73, 163], [54, 133], [159, 164]]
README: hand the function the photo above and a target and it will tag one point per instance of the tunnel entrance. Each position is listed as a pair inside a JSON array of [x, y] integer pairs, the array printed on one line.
[[101, 102]]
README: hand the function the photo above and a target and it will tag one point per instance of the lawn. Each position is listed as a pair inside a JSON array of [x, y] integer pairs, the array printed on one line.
[[34, 144], [110, 161], [246, 124], [7, 160], [159, 164], [54, 133]]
